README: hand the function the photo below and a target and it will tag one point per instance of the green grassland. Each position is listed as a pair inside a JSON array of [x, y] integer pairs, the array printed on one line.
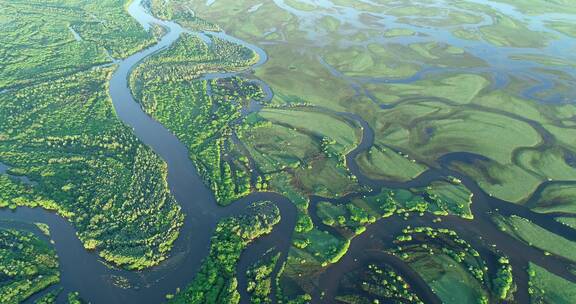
[[326, 126], [426, 124], [88, 167], [27, 265], [563, 27], [550, 164], [450, 198], [536, 236], [556, 198], [412, 13], [301, 78], [539, 6], [508, 182], [546, 287], [310, 146], [387, 164], [491, 135], [278, 147], [397, 32], [505, 32], [460, 88], [394, 61], [568, 221]]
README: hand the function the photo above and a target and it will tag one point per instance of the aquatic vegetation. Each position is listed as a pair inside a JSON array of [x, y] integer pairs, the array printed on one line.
[[546, 287], [50, 297], [386, 164], [309, 145], [27, 265], [216, 280], [536, 236], [451, 267], [374, 283], [260, 278], [75, 298]]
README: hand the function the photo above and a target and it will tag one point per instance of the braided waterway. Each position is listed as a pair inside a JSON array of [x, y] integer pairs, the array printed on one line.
[[85, 272]]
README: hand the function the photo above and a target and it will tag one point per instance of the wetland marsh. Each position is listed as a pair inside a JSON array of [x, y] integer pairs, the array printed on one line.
[[288, 151]]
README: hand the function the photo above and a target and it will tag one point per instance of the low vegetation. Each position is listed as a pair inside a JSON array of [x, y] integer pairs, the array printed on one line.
[[452, 268], [536, 236], [546, 287], [376, 283]]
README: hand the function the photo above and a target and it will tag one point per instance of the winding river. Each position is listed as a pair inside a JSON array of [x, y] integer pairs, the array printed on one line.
[[97, 282]]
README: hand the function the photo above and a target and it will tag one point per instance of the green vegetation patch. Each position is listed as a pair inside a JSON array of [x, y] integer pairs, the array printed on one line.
[[505, 31], [75, 298], [89, 167], [37, 43], [310, 146], [546, 287], [549, 164], [568, 221], [203, 114], [279, 147], [50, 297], [507, 182], [387, 164], [453, 269], [27, 265], [491, 135], [452, 198], [260, 278], [373, 284], [216, 280], [179, 11], [459, 88], [536, 236], [325, 126]]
